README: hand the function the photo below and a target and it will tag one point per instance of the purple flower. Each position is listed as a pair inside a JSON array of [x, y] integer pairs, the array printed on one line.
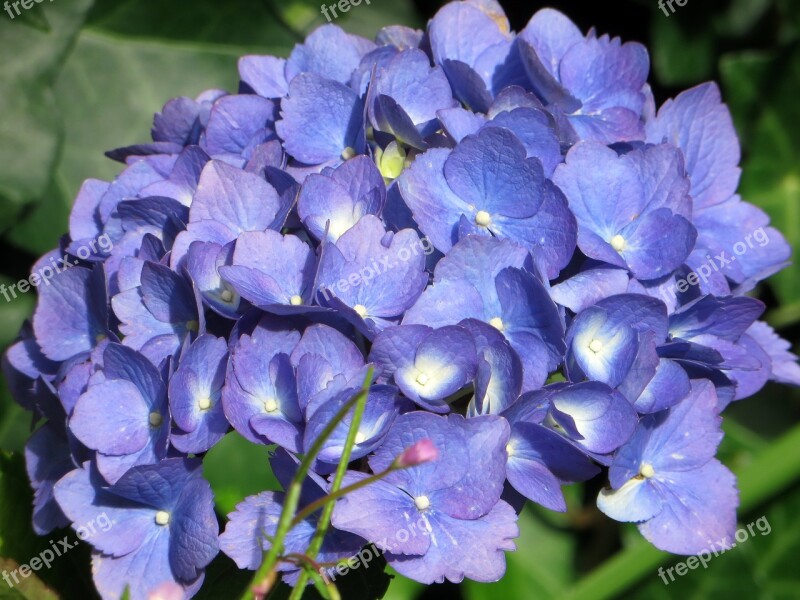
[[597, 83], [486, 186], [334, 200], [406, 95], [195, 395], [322, 121], [272, 271], [428, 365], [667, 480], [260, 394], [651, 199], [158, 525], [489, 280], [72, 315], [449, 511], [160, 314], [123, 415], [247, 536], [372, 276]]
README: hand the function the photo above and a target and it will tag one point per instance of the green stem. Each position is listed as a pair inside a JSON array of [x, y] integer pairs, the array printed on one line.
[[321, 502], [344, 461], [775, 468], [295, 487]]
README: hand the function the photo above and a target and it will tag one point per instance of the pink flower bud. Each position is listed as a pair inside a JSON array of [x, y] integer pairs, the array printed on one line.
[[421, 452]]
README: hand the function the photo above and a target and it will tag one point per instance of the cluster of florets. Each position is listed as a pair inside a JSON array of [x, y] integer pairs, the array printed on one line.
[[547, 274]]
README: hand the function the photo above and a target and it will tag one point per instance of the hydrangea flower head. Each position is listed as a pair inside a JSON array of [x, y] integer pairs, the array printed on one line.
[[496, 235]]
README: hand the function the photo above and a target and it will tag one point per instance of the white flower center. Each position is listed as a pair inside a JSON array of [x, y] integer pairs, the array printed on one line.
[[422, 502], [295, 300], [348, 153], [162, 517], [155, 419], [360, 438], [226, 295], [483, 218], [497, 323], [361, 310], [646, 470], [270, 405], [509, 450], [422, 379], [204, 403], [617, 243], [595, 346]]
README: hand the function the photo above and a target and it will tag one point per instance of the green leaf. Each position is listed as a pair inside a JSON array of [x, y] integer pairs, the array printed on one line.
[[68, 575], [44, 222], [237, 468], [30, 131], [401, 587], [224, 580], [540, 568], [364, 19], [764, 565], [682, 48], [28, 588], [763, 95], [240, 26], [14, 421]]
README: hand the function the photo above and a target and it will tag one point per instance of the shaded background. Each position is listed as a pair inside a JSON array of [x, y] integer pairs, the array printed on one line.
[[79, 77]]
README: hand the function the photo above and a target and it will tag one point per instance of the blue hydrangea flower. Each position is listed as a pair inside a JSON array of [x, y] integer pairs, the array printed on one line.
[[161, 313], [372, 276], [271, 247], [667, 480], [195, 396], [334, 200], [454, 523], [487, 186], [158, 525], [605, 107], [428, 365], [488, 279], [247, 534], [631, 232], [123, 415]]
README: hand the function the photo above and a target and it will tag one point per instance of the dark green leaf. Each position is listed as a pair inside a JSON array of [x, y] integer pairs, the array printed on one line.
[[30, 132], [540, 568], [237, 468], [69, 573], [763, 92], [764, 565]]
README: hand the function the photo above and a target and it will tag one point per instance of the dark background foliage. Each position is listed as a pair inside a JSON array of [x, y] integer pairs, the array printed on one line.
[[78, 77]]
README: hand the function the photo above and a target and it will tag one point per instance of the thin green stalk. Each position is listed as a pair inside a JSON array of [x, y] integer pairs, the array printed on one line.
[[295, 487], [327, 589], [321, 502], [344, 461], [777, 466]]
